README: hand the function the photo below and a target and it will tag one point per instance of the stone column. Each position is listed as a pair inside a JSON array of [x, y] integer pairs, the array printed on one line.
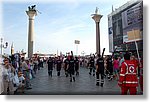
[[96, 17], [31, 14]]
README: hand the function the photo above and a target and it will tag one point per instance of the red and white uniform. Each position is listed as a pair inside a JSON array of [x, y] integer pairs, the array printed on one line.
[[128, 77], [135, 62]]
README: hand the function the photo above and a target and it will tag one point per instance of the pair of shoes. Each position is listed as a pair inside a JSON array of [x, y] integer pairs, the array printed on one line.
[[110, 79], [58, 74], [89, 73], [93, 74], [101, 84], [70, 80], [74, 79], [77, 74], [66, 75], [97, 84], [28, 88]]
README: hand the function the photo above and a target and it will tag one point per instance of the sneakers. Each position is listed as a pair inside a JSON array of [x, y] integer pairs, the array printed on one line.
[[110, 79], [73, 79]]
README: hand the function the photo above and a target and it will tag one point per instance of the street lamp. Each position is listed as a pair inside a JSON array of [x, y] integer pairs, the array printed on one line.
[[77, 42], [3, 46], [83, 53]]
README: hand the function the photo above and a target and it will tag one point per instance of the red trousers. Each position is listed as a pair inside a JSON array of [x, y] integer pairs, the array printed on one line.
[[124, 90]]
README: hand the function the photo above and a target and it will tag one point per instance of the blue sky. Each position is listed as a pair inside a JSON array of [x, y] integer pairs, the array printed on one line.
[[59, 24]]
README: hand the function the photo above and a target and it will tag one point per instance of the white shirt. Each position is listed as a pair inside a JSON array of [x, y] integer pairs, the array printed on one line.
[[8, 75]]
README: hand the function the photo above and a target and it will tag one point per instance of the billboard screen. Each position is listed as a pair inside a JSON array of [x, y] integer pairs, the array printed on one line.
[[132, 23]]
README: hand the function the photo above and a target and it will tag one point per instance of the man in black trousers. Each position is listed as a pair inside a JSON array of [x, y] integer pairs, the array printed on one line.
[[91, 66], [76, 66], [59, 65], [110, 67], [71, 69], [99, 70], [50, 66]]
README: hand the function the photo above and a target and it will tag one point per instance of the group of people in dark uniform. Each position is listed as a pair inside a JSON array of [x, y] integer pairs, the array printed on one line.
[[99, 67], [70, 65]]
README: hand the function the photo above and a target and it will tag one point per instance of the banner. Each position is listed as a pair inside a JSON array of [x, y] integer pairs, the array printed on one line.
[[110, 32], [133, 35]]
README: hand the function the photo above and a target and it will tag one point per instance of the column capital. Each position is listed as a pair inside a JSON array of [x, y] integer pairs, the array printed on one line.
[[97, 17], [31, 14]]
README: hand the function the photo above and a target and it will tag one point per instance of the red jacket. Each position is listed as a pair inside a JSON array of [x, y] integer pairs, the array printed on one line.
[[128, 74], [135, 62]]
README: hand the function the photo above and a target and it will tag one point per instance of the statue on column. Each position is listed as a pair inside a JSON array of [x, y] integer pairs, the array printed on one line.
[[96, 11], [32, 8]]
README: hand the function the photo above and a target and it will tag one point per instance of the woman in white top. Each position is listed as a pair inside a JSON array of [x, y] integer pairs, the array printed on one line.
[[8, 75]]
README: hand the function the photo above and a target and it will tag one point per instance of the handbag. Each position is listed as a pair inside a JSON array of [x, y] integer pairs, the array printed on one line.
[[30, 76], [16, 80]]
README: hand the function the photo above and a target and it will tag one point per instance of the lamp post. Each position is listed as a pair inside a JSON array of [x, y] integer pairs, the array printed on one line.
[[77, 42], [3, 46], [83, 53]]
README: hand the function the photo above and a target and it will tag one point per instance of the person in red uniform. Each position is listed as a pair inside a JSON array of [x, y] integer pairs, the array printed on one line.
[[136, 62], [128, 76]]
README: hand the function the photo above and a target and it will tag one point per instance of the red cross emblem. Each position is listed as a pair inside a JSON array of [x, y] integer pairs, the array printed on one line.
[[131, 69]]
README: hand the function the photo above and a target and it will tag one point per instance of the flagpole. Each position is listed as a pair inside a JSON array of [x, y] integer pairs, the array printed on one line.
[[137, 50], [139, 89]]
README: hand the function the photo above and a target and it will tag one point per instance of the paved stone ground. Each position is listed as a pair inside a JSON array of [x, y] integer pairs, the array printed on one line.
[[84, 84]]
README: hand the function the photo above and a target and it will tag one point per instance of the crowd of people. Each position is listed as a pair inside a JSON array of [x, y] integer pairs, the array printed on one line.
[[18, 71], [109, 67]]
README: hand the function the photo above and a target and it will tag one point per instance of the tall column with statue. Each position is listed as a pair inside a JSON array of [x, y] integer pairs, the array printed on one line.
[[96, 17], [32, 12]]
